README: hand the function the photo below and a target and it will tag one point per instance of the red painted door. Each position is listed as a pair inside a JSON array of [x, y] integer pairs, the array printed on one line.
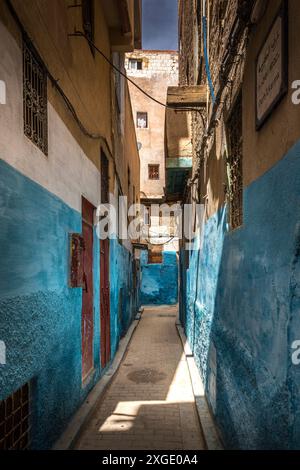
[[104, 272], [87, 316]]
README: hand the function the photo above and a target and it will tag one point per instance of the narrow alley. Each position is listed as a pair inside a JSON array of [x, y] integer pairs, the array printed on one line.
[[149, 227], [150, 402]]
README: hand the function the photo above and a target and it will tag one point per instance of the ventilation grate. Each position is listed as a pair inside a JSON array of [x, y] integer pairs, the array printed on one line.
[[15, 420]]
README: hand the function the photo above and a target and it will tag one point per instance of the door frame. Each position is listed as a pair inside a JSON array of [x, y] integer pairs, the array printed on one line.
[[87, 211]]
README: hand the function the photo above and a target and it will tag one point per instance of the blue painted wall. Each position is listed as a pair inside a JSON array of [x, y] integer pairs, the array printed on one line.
[[122, 305], [159, 285], [242, 313], [40, 317]]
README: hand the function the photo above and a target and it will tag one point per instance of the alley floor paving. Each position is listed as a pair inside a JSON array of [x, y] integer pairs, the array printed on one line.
[[149, 404]]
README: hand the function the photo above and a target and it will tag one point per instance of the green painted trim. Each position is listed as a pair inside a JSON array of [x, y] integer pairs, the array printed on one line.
[[179, 162]]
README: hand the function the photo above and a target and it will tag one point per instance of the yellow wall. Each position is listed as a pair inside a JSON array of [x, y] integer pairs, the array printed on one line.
[[85, 79], [266, 147]]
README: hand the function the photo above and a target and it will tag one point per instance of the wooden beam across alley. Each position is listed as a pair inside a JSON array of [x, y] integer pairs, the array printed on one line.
[[184, 96]]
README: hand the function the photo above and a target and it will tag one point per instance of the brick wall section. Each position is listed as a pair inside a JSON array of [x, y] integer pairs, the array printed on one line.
[[159, 71], [154, 62], [220, 21]]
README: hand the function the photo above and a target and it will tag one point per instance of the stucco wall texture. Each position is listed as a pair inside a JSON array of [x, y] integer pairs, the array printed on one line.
[[159, 284], [40, 204], [40, 316], [240, 297], [242, 313]]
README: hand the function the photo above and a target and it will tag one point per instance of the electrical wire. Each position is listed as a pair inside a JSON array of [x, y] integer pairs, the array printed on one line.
[[92, 44], [54, 82], [160, 244]]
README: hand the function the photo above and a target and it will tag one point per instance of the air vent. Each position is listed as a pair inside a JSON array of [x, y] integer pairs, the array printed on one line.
[[15, 420]]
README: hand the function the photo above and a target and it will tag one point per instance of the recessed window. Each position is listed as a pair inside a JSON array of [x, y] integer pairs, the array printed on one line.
[[15, 420], [235, 165], [153, 172], [35, 98], [135, 64], [155, 255], [142, 120], [147, 215]]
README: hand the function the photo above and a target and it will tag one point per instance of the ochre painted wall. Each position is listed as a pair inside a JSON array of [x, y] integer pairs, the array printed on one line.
[[160, 70]]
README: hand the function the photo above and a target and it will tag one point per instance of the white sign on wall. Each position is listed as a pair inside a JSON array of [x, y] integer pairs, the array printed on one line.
[[271, 69]]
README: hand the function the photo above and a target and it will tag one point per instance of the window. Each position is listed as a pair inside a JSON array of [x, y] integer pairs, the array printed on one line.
[[155, 255], [142, 120], [135, 64], [35, 98], [169, 221], [15, 420], [147, 215], [88, 21], [104, 179], [153, 172], [235, 165]]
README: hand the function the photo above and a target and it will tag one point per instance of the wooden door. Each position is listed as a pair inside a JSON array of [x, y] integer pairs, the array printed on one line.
[[104, 273], [87, 316]]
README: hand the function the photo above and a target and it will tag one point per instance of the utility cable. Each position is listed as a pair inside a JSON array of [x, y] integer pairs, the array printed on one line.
[[67, 101], [159, 244], [51, 78], [93, 45]]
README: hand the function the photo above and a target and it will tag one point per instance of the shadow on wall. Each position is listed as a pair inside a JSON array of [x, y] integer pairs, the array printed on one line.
[[246, 315], [159, 285], [40, 315]]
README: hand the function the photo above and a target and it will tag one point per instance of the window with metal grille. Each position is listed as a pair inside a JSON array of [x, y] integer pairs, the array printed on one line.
[[155, 255], [135, 64], [142, 120], [15, 420], [235, 165], [88, 23], [35, 98], [153, 172]]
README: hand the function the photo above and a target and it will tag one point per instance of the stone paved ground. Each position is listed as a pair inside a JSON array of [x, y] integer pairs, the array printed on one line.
[[149, 404]]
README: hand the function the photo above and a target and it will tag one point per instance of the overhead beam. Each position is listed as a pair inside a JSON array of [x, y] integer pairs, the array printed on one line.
[[125, 17], [186, 96]]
